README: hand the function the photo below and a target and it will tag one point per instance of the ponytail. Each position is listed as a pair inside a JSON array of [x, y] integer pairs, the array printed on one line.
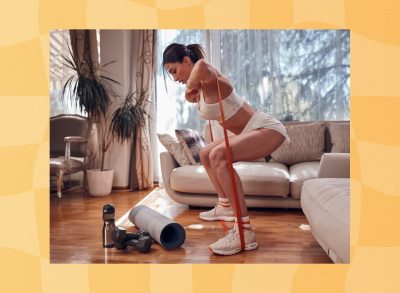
[[176, 52], [197, 52]]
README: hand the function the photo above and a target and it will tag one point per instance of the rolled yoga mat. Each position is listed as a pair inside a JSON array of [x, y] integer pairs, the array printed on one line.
[[162, 229]]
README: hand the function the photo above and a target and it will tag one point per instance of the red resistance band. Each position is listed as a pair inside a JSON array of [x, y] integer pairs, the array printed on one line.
[[231, 170]]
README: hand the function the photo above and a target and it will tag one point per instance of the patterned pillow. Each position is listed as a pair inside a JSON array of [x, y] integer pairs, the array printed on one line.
[[192, 143], [340, 137], [307, 144], [174, 148]]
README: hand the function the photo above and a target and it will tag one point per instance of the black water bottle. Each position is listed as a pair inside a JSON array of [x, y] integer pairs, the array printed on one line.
[[109, 225]]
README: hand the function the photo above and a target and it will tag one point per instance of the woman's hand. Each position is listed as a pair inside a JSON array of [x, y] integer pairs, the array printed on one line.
[[192, 95]]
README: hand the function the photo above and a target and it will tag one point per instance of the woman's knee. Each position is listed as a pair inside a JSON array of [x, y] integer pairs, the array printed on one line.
[[204, 156], [218, 158]]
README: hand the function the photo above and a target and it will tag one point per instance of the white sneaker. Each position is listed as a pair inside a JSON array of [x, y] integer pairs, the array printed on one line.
[[230, 243], [218, 213]]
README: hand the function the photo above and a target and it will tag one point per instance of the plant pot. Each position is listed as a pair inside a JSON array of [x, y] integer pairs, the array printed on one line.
[[99, 182]]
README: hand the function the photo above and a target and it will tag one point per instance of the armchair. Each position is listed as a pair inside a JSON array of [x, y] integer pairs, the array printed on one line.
[[68, 145]]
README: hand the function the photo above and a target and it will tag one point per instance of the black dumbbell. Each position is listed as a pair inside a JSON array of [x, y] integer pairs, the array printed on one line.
[[122, 239], [143, 244], [137, 235], [119, 234]]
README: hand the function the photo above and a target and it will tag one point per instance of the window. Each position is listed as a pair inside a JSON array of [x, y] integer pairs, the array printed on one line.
[[59, 42], [293, 74]]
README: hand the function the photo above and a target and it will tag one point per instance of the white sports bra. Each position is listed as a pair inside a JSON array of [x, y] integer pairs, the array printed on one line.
[[230, 104]]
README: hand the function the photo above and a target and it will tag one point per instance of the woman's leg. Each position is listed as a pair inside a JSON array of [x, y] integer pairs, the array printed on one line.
[[205, 160], [244, 147], [223, 209]]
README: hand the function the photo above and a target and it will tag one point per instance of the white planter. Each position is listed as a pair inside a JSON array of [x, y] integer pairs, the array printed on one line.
[[119, 158], [99, 182]]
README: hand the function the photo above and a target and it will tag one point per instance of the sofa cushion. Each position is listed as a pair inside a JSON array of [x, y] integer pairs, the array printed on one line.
[[326, 204], [299, 173], [268, 179], [307, 144], [340, 137]]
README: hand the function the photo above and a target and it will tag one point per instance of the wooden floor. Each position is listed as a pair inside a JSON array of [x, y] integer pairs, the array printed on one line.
[[76, 224]]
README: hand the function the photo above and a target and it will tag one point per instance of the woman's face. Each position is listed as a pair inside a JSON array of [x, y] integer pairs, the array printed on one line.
[[180, 72]]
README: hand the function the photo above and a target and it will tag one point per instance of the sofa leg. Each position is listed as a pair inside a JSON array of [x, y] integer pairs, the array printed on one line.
[[59, 183]]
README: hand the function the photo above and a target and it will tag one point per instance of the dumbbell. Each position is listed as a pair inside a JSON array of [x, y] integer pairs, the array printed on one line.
[[122, 239], [143, 244]]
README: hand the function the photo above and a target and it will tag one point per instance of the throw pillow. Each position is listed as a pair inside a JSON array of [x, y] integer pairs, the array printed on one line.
[[340, 137], [192, 143], [174, 148], [307, 144]]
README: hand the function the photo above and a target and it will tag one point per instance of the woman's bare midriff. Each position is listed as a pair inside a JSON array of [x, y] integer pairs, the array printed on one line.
[[239, 120]]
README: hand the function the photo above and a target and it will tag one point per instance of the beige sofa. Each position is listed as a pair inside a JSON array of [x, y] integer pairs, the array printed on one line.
[[326, 204], [266, 184]]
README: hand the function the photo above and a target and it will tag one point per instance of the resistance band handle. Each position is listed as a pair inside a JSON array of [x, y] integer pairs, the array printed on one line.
[[231, 172]]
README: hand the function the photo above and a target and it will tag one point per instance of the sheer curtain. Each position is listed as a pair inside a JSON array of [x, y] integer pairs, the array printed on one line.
[[84, 46], [144, 59]]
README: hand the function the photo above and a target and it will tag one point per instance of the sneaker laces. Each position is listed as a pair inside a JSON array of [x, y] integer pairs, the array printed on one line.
[[215, 208], [235, 231], [230, 235]]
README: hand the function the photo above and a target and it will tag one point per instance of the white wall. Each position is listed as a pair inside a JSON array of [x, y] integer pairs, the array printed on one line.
[[113, 47]]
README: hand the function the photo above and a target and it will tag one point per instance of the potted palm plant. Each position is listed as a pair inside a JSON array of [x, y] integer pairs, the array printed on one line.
[[91, 92], [123, 123]]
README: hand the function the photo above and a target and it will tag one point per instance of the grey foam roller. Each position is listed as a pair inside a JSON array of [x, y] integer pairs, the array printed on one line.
[[162, 229]]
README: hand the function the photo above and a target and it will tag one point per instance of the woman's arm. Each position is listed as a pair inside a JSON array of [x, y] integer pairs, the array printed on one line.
[[192, 95], [201, 72]]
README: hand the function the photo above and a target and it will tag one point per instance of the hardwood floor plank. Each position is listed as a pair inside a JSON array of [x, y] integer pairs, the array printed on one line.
[[76, 224]]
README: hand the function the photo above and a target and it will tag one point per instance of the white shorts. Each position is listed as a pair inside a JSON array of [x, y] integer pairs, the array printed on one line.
[[264, 120]]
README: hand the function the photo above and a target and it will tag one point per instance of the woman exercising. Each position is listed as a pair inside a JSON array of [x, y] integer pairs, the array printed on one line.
[[257, 135]]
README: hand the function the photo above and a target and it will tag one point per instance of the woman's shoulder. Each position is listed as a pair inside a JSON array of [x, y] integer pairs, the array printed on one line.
[[210, 89], [202, 64]]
